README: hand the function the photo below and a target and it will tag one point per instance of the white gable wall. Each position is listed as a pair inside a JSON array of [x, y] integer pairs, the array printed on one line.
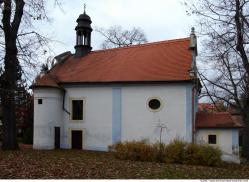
[[113, 113], [224, 138], [139, 122], [46, 116], [227, 141]]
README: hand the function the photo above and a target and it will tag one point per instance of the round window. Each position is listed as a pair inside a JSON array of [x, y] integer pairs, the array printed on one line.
[[154, 104]]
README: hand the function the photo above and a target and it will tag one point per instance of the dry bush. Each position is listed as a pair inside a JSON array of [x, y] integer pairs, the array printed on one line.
[[135, 150], [175, 152]]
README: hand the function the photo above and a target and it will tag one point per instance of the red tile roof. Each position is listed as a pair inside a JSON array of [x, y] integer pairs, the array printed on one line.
[[206, 107], [47, 80], [159, 61], [217, 120]]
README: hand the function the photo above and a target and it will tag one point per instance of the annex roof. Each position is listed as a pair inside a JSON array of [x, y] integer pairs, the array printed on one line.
[[159, 61], [217, 120]]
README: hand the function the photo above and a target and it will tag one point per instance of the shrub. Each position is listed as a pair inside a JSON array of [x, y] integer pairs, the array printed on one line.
[[202, 155], [135, 150], [175, 152], [192, 154], [210, 156], [159, 150]]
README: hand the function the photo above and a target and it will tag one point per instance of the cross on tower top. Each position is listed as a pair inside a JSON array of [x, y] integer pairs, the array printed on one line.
[[84, 7]]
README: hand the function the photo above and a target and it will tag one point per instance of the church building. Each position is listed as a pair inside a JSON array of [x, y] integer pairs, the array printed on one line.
[[92, 99]]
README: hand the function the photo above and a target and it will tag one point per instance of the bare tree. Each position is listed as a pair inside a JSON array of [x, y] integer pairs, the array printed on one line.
[[225, 30], [115, 36], [20, 45], [162, 126]]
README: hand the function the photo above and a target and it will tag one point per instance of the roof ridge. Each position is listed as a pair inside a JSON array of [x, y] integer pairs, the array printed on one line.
[[223, 112], [144, 45]]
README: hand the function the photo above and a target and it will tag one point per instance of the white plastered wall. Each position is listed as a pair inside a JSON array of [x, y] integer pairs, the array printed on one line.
[[224, 138], [46, 116], [139, 122], [227, 141], [97, 117]]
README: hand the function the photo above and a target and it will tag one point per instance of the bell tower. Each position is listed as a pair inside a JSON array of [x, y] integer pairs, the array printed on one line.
[[83, 35]]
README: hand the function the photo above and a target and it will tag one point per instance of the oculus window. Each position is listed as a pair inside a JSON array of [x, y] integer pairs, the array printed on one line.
[[212, 139], [77, 109], [154, 104]]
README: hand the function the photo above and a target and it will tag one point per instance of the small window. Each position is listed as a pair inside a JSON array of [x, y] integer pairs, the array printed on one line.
[[77, 109], [39, 101], [154, 104], [212, 139]]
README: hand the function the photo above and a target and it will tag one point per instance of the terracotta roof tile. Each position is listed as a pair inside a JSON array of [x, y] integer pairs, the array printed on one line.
[[47, 80], [206, 107], [217, 120], [160, 61]]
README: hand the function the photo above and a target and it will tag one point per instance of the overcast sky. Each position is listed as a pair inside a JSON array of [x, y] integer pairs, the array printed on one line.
[[159, 19]]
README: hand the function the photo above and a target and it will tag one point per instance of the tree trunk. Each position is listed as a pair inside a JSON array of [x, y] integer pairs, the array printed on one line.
[[245, 144], [9, 123], [8, 96], [11, 72]]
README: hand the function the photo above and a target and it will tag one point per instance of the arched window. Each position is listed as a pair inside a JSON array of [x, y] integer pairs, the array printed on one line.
[[79, 38], [85, 40]]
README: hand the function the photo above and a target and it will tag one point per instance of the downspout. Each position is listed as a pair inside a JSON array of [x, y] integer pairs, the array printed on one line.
[[193, 113], [63, 101], [193, 75], [196, 90]]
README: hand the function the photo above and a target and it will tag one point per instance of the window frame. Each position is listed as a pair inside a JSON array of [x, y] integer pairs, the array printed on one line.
[[216, 139], [83, 108], [154, 110], [38, 101]]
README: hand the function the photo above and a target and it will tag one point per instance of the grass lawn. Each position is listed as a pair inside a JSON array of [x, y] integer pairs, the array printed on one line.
[[75, 164]]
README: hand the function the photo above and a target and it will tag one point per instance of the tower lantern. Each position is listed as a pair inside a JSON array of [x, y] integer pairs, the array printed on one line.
[[83, 35]]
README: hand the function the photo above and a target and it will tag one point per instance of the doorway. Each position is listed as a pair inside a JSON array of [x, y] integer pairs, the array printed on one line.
[[76, 139], [57, 137]]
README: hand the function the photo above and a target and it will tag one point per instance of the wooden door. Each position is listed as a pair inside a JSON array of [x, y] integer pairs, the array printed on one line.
[[76, 139], [57, 137]]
